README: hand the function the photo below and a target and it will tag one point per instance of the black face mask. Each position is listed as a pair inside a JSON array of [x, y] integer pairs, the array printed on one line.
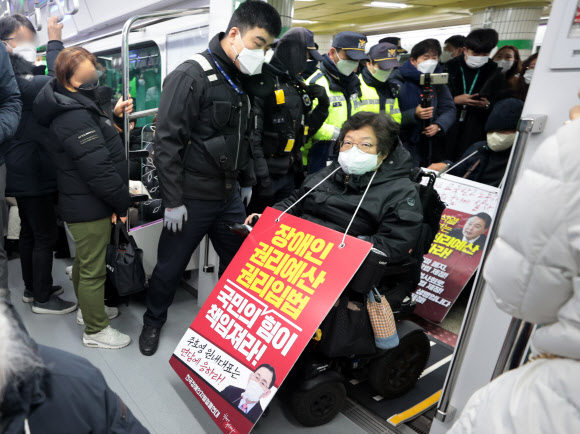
[[88, 88]]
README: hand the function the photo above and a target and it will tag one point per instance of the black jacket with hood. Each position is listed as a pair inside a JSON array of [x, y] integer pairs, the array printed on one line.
[[276, 121], [390, 216], [29, 169], [88, 153]]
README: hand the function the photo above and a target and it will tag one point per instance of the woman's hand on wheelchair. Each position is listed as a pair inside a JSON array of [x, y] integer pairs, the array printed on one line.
[[250, 219]]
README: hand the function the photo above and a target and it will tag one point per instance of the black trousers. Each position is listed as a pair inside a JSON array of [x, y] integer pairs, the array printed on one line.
[[38, 236], [174, 251]]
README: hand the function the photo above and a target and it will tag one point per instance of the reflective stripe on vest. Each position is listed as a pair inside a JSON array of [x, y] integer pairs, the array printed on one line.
[[337, 112], [370, 102], [206, 66]]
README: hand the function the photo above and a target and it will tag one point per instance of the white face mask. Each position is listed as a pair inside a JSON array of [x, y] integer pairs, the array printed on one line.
[[346, 67], [528, 76], [427, 67], [253, 392], [141, 82], [498, 142], [251, 61], [27, 51], [446, 56], [357, 162], [382, 75], [504, 65], [476, 62]]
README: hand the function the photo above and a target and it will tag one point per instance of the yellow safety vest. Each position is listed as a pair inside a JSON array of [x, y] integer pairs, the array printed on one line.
[[337, 113], [370, 102]]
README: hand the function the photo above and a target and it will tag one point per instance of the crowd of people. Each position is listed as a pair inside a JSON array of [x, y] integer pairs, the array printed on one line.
[[235, 134]]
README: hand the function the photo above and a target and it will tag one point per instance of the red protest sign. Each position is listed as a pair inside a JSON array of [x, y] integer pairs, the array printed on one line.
[[261, 315], [457, 249]]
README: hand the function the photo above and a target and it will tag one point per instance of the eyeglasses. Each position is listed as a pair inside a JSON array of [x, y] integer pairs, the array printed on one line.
[[365, 146]]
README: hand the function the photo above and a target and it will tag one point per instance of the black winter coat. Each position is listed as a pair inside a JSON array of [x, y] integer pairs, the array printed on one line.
[[88, 153], [390, 216], [471, 130], [30, 170], [10, 104], [491, 167]]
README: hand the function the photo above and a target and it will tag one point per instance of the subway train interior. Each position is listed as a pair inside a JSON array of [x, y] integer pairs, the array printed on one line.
[[181, 368]]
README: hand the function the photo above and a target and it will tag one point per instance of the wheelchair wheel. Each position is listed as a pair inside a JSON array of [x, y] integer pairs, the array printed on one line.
[[397, 371], [319, 405]]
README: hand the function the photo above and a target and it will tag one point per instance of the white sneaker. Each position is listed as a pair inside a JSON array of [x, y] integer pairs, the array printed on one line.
[[112, 312], [68, 271], [108, 338]]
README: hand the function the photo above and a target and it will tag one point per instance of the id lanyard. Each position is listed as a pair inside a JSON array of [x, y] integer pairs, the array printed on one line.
[[230, 81], [464, 109]]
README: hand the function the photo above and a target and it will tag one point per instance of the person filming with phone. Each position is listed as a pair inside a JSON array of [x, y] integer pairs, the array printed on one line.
[[441, 112]]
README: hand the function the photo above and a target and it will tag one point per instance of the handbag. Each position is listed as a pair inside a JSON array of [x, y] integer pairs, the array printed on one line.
[[125, 263], [346, 330], [382, 321]]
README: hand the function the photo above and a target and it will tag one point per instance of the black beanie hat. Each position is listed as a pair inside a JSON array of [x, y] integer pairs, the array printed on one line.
[[505, 115]]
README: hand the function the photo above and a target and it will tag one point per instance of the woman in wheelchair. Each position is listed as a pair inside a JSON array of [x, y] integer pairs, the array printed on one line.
[[391, 214], [372, 174]]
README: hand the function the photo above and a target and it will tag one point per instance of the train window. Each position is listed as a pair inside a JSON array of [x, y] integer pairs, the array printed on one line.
[[144, 74]]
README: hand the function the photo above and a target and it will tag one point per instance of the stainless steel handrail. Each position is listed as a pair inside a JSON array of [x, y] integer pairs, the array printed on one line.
[[143, 114], [125, 61], [444, 411], [125, 53]]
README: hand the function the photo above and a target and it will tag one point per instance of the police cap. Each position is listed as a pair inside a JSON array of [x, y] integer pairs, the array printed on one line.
[[353, 43], [385, 55], [395, 41]]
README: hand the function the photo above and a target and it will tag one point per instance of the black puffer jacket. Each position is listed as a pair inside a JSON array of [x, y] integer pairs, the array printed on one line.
[[30, 170], [10, 104], [390, 215], [88, 153]]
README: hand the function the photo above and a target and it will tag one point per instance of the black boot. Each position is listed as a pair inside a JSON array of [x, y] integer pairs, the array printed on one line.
[[149, 340]]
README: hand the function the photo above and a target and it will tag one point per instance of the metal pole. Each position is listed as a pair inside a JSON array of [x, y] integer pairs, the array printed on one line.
[[125, 61], [514, 347], [444, 410]]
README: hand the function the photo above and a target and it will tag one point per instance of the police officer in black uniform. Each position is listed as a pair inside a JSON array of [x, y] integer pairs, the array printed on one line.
[[202, 151], [283, 118]]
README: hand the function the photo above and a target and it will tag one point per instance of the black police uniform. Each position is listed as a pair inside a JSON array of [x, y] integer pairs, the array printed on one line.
[[282, 118], [201, 150]]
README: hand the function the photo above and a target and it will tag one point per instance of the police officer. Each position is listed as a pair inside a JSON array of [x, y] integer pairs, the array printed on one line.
[[397, 42], [337, 75], [282, 119], [201, 150], [377, 95]]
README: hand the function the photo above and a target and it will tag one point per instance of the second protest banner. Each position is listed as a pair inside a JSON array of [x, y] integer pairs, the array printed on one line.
[[457, 249], [262, 313]]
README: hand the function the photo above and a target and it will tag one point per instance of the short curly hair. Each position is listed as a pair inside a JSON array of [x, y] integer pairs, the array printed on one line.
[[384, 127]]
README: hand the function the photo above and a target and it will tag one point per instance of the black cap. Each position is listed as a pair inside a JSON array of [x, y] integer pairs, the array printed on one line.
[[312, 46], [353, 43], [385, 55], [395, 41], [505, 115]]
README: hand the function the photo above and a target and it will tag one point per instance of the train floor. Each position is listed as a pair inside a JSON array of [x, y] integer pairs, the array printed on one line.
[[148, 385]]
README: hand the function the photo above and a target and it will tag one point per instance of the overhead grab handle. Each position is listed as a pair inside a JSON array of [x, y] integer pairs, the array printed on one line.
[[63, 8], [37, 16]]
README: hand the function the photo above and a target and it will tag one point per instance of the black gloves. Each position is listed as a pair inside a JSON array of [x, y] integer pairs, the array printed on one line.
[[318, 92]]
